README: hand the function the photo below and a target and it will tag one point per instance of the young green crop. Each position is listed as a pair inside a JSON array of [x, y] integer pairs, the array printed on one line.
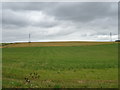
[[79, 66]]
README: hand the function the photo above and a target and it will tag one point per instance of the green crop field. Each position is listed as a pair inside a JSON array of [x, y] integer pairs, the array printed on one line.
[[92, 66]]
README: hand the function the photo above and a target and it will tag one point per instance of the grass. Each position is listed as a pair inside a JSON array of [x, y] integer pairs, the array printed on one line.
[[61, 67]]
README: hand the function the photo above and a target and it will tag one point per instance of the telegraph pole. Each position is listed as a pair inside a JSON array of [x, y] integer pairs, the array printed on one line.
[[110, 36], [29, 38]]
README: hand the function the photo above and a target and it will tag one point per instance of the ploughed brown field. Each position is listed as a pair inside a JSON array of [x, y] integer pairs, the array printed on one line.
[[63, 43]]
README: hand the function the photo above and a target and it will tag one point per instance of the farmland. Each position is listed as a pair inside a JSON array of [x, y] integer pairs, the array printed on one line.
[[60, 65]]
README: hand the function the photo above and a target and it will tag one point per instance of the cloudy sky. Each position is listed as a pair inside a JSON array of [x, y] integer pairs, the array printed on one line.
[[59, 21]]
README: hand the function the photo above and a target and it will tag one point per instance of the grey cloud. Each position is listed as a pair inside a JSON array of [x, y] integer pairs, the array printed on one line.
[[46, 24], [13, 19], [83, 12], [74, 11], [59, 20], [22, 6]]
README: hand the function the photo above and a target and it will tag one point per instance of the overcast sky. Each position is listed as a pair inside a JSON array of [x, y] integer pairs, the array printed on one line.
[[47, 21]]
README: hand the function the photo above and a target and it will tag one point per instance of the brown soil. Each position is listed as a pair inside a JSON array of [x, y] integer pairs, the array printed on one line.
[[47, 44]]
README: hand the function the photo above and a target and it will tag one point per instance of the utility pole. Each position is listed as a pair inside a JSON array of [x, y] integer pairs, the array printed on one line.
[[110, 36], [29, 38]]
